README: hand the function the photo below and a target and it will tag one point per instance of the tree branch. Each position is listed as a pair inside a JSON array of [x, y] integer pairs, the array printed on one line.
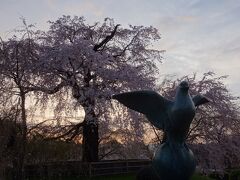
[[46, 90], [108, 153], [106, 40], [156, 134], [37, 125], [126, 47], [75, 127]]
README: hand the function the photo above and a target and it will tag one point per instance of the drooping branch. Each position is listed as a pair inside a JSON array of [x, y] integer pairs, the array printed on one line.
[[106, 40], [47, 90], [36, 126], [110, 152], [74, 129]]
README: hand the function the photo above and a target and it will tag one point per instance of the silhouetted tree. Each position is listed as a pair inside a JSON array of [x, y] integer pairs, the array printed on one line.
[[82, 64], [94, 62], [17, 56]]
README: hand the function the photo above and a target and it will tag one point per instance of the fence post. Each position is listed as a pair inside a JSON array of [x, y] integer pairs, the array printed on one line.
[[127, 166]]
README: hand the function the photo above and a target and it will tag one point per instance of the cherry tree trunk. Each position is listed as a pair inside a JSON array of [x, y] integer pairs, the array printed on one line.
[[90, 137]]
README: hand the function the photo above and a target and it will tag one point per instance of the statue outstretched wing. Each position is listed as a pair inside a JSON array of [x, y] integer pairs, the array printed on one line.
[[199, 100], [150, 103]]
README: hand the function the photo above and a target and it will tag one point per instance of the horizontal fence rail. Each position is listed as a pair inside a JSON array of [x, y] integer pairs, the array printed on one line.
[[78, 168]]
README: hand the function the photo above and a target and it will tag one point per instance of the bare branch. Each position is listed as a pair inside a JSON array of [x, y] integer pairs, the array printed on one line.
[[74, 128], [126, 47], [106, 40], [36, 126], [108, 153]]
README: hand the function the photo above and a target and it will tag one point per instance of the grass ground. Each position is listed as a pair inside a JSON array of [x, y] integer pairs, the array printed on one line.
[[199, 177]]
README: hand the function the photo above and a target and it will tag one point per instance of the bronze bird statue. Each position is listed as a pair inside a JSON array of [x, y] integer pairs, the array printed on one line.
[[173, 159]]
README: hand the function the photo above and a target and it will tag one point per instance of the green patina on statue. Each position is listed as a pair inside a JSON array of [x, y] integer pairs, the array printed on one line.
[[173, 159]]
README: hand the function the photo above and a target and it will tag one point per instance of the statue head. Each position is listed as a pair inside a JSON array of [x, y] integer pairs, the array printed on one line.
[[184, 85]]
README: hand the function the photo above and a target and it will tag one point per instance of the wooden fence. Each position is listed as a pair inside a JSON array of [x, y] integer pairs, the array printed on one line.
[[78, 169]]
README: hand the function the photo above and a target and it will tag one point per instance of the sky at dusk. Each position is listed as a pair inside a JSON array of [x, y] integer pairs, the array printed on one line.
[[198, 35]]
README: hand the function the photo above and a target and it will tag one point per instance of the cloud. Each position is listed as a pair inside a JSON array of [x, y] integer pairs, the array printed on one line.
[[201, 36], [197, 35], [88, 8]]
